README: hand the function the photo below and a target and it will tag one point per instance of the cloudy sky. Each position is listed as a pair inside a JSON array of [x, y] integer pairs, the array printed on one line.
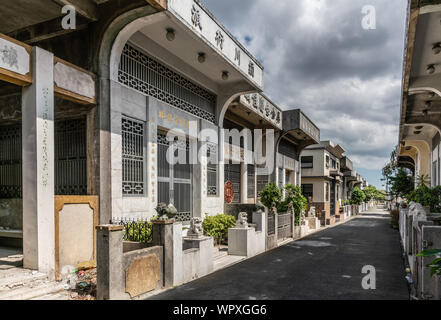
[[318, 57]]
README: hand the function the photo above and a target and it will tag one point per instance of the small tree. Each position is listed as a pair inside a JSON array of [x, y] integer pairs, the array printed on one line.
[[293, 195], [271, 195], [370, 193], [357, 196], [402, 184]]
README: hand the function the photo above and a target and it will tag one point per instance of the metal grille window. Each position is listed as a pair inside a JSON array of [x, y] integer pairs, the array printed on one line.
[[174, 180], [145, 74], [232, 173], [132, 157], [262, 181], [327, 191], [307, 162], [10, 162], [251, 171], [71, 157], [212, 170], [308, 190]]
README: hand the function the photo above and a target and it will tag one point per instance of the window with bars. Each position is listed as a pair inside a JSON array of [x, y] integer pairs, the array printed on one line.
[[10, 162], [251, 171], [307, 162], [145, 74], [262, 181], [132, 132], [308, 190], [212, 170], [71, 157]]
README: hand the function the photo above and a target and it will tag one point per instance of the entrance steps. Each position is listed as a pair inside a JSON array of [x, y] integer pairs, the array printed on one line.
[[22, 284]]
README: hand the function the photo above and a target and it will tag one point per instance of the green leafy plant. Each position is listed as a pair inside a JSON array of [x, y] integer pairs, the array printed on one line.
[[293, 194], [217, 226], [271, 195], [138, 231], [435, 265], [357, 196], [430, 197]]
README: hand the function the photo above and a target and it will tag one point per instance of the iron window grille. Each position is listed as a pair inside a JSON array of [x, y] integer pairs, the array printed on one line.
[[308, 190], [10, 162], [133, 162], [145, 74], [71, 157], [212, 170], [251, 172], [307, 162]]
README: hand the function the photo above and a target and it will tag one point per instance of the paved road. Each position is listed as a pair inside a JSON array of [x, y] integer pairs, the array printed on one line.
[[325, 265]]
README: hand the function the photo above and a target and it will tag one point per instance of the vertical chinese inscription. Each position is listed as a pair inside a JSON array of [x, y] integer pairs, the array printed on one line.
[[237, 56], [251, 69], [44, 141], [196, 17], [219, 39]]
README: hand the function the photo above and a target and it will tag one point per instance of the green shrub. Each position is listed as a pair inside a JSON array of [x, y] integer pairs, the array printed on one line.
[[357, 196], [270, 195], [138, 231], [217, 226], [435, 265], [426, 196], [293, 194]]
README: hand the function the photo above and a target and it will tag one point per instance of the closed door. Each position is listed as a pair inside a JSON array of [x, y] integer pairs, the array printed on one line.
[[232, 173], [174, 180]]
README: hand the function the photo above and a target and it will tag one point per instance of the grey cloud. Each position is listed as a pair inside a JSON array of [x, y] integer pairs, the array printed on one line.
[[318, 57]]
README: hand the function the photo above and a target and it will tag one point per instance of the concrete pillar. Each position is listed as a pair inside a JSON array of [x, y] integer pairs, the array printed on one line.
[[38, 165], [110, 280], [243, 182], [169, 235]]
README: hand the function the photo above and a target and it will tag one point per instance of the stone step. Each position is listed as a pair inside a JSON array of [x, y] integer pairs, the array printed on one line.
[[62, 295], [27, 293], [220, 255], [20, 280], [16, 272]]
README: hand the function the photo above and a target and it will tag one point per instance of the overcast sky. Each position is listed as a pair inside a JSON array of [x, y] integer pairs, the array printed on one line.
[[318, 57]]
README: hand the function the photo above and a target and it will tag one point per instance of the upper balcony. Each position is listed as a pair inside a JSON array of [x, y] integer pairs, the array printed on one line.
[[346, 164], [258, 111]]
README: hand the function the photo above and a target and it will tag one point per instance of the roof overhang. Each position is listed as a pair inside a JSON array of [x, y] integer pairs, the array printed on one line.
[[300, 127], [421, 85], [197, 30]]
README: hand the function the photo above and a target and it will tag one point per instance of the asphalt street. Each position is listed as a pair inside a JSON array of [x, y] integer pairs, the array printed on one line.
[[324, 266]]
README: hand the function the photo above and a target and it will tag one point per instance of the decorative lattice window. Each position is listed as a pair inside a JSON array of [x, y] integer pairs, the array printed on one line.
[[212, 170], [10, 162], [71, 157], [147, 75], [133, 157]]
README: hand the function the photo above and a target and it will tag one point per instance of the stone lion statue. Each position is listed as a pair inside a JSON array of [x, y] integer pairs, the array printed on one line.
[[418, 211], [311, 212], [196, 230], [242, 222]]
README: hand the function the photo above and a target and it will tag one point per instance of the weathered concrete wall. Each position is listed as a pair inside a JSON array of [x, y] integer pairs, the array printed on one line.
[[11, 214]]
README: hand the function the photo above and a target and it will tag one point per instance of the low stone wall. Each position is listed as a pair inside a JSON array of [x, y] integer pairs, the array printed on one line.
[[420, 230], [248, 241], [143, 271]]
